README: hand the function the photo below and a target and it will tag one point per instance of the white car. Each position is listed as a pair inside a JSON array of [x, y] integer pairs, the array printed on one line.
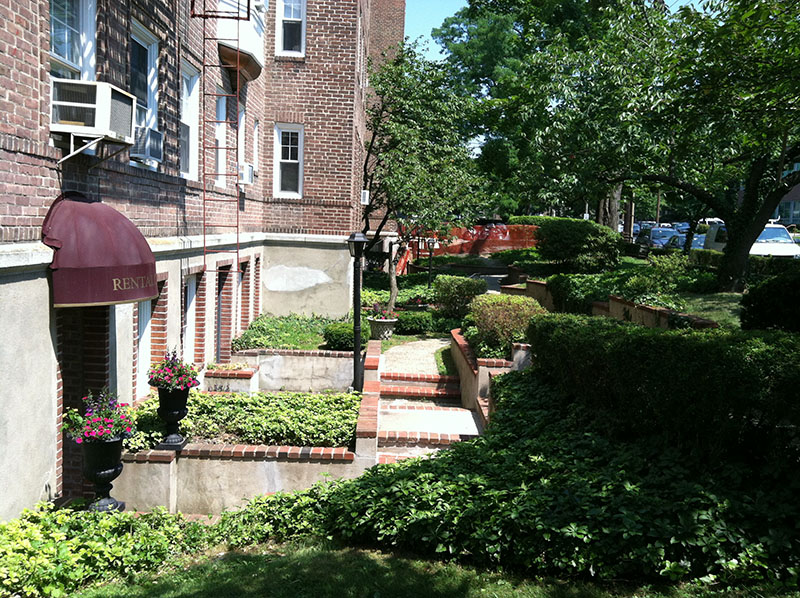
[[773, 240]]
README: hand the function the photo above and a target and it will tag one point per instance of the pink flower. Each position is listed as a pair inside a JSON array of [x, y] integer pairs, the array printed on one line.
[[79, 440], [128, 429]]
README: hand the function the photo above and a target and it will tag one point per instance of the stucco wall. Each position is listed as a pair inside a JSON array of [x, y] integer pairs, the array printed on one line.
[[309, 278], [27, 392]]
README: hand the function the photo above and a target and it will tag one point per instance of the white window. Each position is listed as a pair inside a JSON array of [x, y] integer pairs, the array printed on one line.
[[256, 134], [220, 155], [241, 136], [144, 75], [72, 39], [145, 348], [190, 315], [189, 124], [288, 175], [290, 34]]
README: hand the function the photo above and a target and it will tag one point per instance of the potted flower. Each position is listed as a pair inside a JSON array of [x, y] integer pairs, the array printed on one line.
[[100, 428], [174, 379], [381, 322]]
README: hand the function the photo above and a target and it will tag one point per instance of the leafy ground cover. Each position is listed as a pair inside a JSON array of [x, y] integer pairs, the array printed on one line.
[[284, 332], [445, 363], [723, 308], [295, 419]]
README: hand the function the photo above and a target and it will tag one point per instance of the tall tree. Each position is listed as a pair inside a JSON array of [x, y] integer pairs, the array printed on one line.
[[417, 166]]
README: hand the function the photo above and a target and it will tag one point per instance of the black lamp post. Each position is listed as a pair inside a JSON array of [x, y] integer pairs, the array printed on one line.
[[431, 243], [356, 243]]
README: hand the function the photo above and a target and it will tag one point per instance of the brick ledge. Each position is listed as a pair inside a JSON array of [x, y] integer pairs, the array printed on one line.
[[244, 452]]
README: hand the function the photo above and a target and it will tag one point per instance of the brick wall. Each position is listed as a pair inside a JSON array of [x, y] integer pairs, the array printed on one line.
[[387, 26]]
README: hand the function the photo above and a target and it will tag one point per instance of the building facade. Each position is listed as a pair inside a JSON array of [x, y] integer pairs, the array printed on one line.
[[242, 172]]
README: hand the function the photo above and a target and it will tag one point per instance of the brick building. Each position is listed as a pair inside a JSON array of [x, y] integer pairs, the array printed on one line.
[[242, 171]]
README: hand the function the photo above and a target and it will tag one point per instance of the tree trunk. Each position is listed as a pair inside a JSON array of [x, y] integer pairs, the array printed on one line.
[[608, 208], [732, 270], [395, 259]]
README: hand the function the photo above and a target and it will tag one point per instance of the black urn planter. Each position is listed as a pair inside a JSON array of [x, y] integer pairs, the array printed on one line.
[[102, 463], [172, 409]]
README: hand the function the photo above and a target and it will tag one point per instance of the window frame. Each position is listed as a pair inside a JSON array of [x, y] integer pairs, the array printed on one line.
[[190, 116], [221, 139], [276, 187], [256, 135], [279, 20], [87, 33], [145, 38]]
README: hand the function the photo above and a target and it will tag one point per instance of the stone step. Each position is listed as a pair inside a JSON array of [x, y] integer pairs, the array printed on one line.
[[420, 392], [395, 406], [422, 440], [424, 380]]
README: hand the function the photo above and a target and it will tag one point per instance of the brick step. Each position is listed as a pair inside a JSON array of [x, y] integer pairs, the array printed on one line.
[[421, 392], [424, 380], [433, 440], [436, 406]]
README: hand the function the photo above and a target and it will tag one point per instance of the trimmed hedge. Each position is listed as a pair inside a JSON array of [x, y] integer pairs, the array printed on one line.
[[495, 322], [582, 245], [773, 303], [719, 393], [453, 294], [339, 336], [414, 322]]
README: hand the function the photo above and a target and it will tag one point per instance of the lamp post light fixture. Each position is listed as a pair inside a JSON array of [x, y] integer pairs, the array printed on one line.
[[431, 243], [356, 243]]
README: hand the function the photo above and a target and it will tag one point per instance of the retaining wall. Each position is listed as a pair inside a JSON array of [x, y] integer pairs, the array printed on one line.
[[301, 371]]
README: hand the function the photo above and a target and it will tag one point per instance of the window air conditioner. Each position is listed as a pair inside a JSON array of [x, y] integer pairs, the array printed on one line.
[[246, 173], [92, 109], [148, 145]]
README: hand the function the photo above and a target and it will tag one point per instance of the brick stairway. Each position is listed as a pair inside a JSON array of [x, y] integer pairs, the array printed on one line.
[[420, 414]]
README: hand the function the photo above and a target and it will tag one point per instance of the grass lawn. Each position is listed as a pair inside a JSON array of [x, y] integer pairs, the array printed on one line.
[[322, 572], [723, 308], [445, 363]]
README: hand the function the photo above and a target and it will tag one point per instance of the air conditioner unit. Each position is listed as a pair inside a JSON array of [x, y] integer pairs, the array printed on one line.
[[149, 145], [246, 173], [92, 109]]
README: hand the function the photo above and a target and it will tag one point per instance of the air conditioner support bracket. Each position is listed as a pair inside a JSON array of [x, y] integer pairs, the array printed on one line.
[[90, 144]]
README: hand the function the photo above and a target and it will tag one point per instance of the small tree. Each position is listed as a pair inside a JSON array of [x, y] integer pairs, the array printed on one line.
[[417, 164]]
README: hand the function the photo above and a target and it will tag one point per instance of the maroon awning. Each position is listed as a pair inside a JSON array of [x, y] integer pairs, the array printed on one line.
[[100, 256]]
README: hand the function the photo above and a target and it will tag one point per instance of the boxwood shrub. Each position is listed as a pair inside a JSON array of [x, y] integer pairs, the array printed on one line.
[[495, 322], [414, 322], [453, 294], [717, 392], [339, 336], [773, 303]]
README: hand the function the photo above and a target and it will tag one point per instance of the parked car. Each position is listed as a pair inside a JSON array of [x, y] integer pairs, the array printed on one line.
[[681, 227], [655, 237], [773, 240], [677, 241]]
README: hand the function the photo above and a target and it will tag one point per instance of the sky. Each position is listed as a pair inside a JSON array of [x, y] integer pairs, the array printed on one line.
[[424, 15]]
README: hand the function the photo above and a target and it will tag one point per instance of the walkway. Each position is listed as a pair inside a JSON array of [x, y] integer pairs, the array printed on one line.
[[419, 410]]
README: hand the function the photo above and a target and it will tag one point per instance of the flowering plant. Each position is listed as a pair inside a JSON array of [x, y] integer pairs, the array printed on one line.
[[379, 313], [103, 419], [172, 373]]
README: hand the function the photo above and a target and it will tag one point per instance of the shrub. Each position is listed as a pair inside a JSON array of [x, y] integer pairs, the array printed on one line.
[[453, 294], [498, 321], [414, 322], [281, 418], [525, 219], [582, 245], [575, 293], [773, 303], [339, 336], [512, 256], [443, 323], [720, 392]]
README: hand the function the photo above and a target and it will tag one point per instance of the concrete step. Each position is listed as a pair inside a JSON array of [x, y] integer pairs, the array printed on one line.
[[404, 439], [397, 406]]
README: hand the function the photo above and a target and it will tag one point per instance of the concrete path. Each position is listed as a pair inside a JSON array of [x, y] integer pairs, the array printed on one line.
[[415, 357]]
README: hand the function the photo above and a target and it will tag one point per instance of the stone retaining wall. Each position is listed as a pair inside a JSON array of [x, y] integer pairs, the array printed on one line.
[[301, 371]]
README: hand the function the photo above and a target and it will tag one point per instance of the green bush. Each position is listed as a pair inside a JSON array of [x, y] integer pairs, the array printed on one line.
[[453, 294], [414, 322], [339, 336], [582, 245], [708, 258], [512, 256], [47, 552], [498, 321], [575, 293], [534, 220], [281, 418], [379, 281], [722, 392], [773, 303], [443, 323]]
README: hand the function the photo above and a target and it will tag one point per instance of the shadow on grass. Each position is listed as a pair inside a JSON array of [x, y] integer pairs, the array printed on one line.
[[321, 573]]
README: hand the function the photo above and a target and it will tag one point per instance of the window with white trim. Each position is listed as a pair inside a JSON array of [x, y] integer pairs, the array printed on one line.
[[290, 23], [189, 127], [241, 135], [73, 39], [288, 174], [190, 315], [144, 75], [220, 138]]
